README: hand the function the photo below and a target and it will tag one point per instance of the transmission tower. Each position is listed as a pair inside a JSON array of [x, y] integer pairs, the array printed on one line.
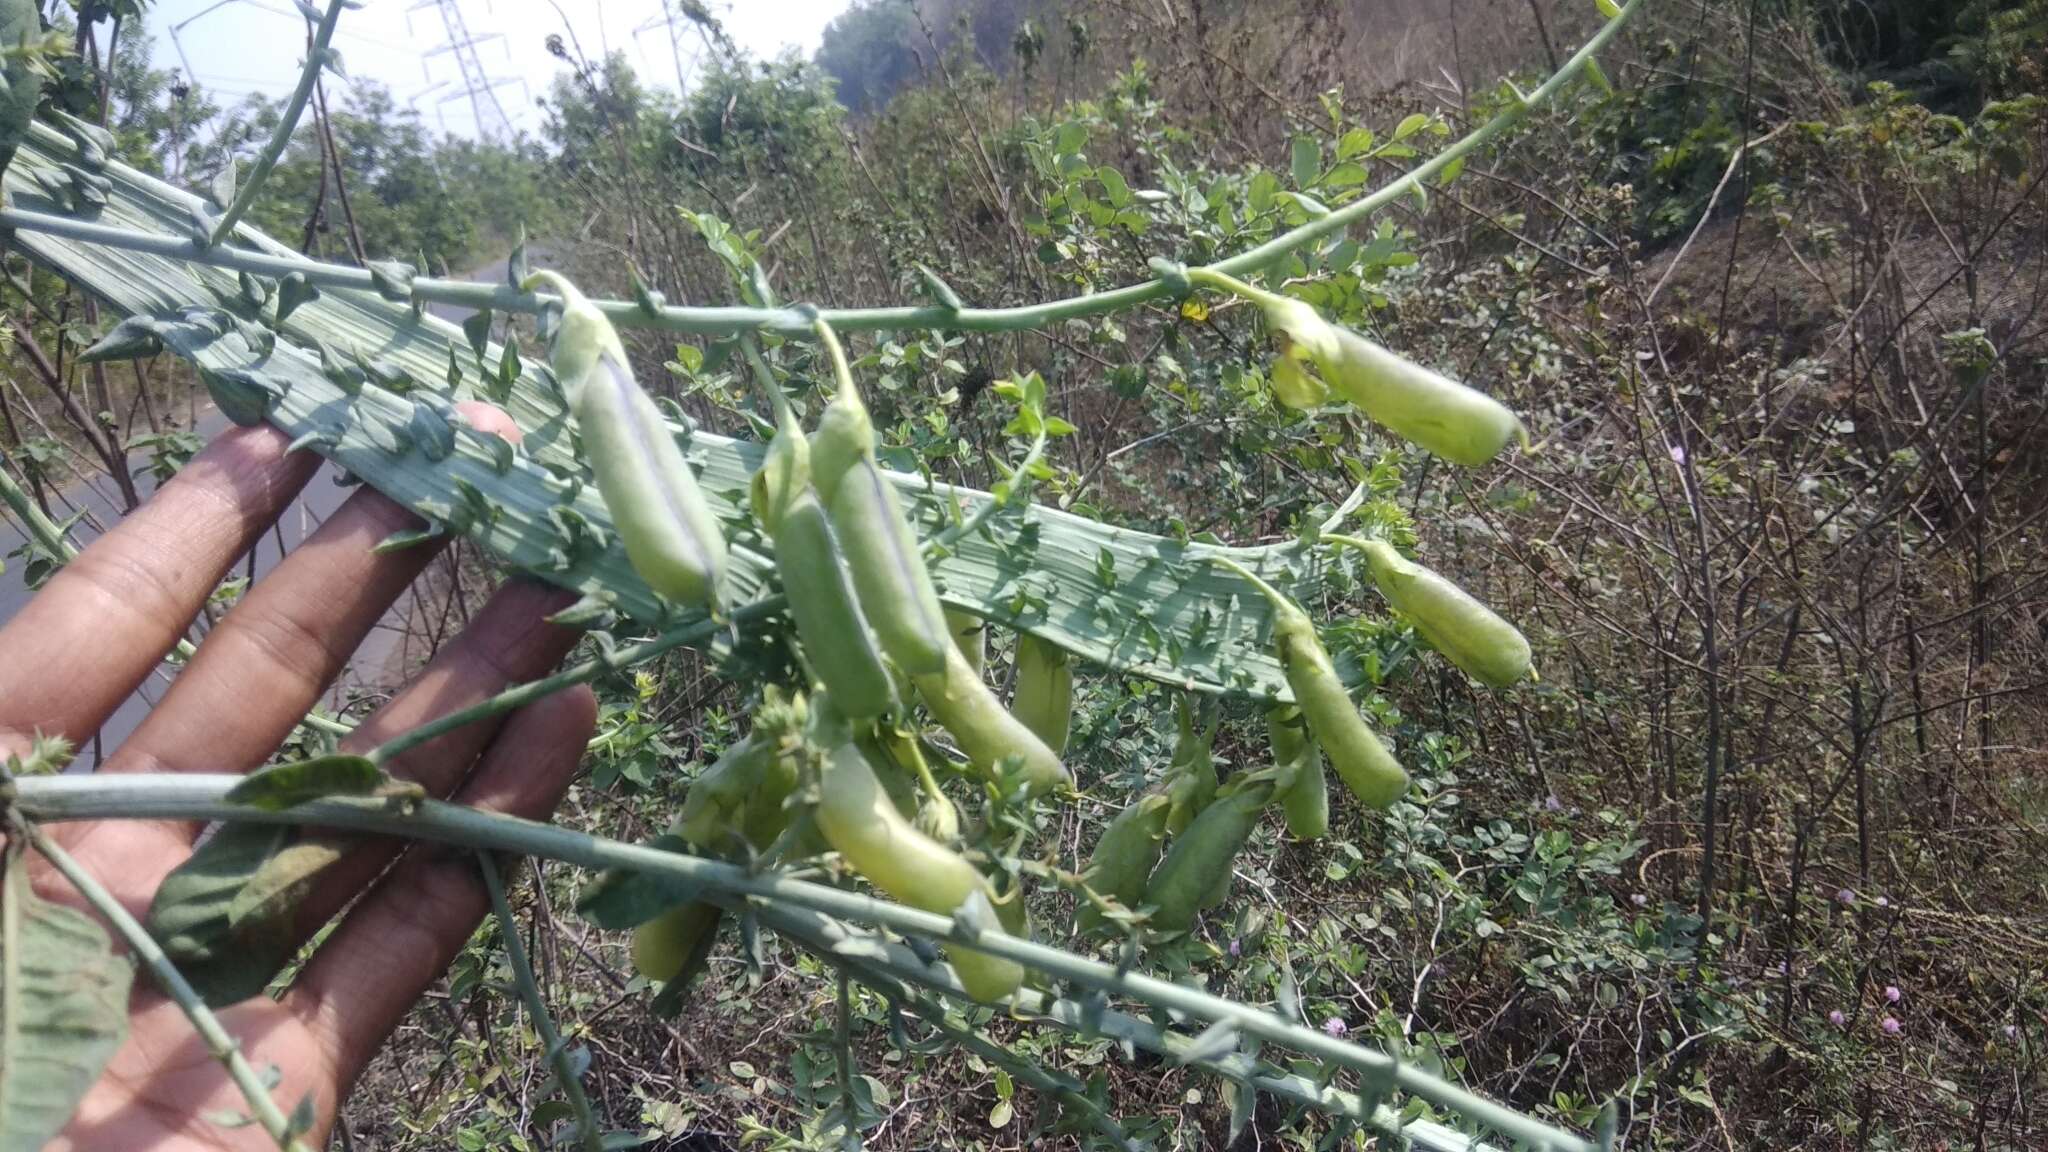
[[478, 85], [687, 60]]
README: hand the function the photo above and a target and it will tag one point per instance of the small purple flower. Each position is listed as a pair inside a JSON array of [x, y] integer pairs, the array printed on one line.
[[1677, 454], [1236, 949], [1335, 1026], [1552, 804], [1891, 1026], [1836, 1018], [2012, 1032], [1639, 900], [1891, 993], [1845, 897], [1884, 902]]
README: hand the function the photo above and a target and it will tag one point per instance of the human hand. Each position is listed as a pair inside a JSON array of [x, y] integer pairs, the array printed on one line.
[[83, 644]]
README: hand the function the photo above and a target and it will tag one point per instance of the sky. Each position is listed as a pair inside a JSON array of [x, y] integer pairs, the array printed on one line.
[[234, 47]]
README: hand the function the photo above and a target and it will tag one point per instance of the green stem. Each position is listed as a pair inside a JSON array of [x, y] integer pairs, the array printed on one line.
[[847, 392], [288, 121], [1278, 598], [800, 321], [764, 378], [537, 1007], [203, 797], [173, 985], [523, 694]]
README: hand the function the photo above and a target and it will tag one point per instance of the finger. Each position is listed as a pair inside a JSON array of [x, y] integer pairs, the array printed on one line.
[[83, 644], [368, 974], [508, 642], [275, 653]]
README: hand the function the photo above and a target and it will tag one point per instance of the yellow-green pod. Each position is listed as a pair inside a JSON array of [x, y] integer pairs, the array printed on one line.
[[860, 821], [676, 942], [1125, 855], [1455, 623], [1043, 697], [671, 538], [1196, 872], [970, 635], [984, 729], [1301, 786], [1353, 748], [881, 551], [1191, 775], [1423, 407], [828, 619], [746, 789]]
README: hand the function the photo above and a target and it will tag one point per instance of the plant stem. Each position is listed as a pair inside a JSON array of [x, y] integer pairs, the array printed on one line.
[[203, 797], [537, 1007], [288, 121], [172, 983], [523, 694], [799, 321]]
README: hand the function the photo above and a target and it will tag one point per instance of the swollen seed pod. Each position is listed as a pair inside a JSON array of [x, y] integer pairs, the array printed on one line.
[[862, 824], [1125, 855], [970, 635], [828, 619], [881, 551], [1302, 789], [1043, 698], [1454, 622], [1196, 872], [1361, 761], [1425, 408], [1191, 775], [985, 730], [671, 538], [676, 942]]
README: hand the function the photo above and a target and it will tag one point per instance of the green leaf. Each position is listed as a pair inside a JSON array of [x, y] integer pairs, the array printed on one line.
[[1305, 162], [226, 959], [1411, 124], [134, 338], [1607, 8], [477, 328], [63, 1006], [20, 21], [277, 787]]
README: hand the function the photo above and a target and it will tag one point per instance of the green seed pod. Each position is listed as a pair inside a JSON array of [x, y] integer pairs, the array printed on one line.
[[1354, 750], [888, 568], [1191, 775], [675, 943], [862, 824], [1125, 855], [783, 477], [984, 729], [828, 618], [1455, 623], [1302, 788], [1426, 408], [1044, 694], [671, 538], [970, 635], [746, 789], [1196, 872], [1361, 761]]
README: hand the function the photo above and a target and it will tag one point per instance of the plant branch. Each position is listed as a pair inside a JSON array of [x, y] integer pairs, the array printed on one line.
[[536, 1006], [721, 321], [288, 121], [172, 983], [203, 797]]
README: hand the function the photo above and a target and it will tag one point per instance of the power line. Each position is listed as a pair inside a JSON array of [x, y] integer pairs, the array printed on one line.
[[479, 86]]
